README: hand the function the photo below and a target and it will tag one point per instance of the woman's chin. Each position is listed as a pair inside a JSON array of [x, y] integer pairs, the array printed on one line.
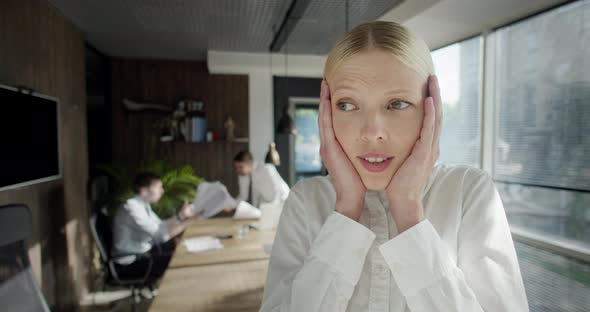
[[375, 183]]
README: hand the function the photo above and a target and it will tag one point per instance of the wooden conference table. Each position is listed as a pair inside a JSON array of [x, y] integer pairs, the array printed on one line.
[[227, 279]]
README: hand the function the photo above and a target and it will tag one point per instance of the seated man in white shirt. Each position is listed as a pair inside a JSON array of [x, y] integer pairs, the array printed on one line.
[[258, 183], [138, 230]]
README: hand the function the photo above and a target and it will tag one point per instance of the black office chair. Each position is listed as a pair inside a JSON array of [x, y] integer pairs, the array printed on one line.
[[100, 227], [19, 290]]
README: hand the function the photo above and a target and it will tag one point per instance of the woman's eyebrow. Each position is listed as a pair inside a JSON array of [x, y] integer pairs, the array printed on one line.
[[344, 88], [407, 92]]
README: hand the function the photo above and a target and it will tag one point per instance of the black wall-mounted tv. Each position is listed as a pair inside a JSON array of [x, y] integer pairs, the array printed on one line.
[[29, 138]]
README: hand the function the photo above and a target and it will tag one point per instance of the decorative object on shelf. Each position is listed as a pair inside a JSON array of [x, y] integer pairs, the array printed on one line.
[[165, 128], [138, 107], [179, 182], [210, 136], [179, 121], [272, 156], [196, 120], [229, 126]]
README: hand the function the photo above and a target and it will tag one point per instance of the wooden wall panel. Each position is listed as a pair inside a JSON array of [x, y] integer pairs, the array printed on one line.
[[165, 82], [40, 49]]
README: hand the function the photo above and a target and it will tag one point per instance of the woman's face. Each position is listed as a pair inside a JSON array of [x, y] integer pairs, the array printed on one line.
[[377, 113]]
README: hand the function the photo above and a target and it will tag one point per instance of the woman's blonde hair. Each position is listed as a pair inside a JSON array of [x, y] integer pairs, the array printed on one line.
[[390, 37]]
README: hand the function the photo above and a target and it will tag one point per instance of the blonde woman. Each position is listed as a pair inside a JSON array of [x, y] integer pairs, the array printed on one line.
[[390, 229]]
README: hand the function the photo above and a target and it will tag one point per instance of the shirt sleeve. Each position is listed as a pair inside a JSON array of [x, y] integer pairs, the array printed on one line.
[[243, 183], [486, 276], [152, 226], [320, 274], [281, 187], [265, 185]]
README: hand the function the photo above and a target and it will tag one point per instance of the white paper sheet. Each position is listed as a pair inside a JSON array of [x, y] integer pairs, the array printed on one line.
[[211, 199], [246, 211], [202, 243]]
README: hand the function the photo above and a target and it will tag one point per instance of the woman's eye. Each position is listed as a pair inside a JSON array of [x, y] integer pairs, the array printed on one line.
[[398, 105], [345, 106]]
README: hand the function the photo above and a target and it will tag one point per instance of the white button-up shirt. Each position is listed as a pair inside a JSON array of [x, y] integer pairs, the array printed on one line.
[[136, 228], [268, 185], [460, 258]]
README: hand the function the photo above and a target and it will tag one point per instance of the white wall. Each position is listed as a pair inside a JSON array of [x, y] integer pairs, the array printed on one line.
[[260, 68]]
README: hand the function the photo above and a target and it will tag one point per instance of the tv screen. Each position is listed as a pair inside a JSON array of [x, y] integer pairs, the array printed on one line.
[[29, 133]]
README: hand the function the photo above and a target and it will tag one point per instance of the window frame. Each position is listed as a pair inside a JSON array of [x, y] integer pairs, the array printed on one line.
[[487, 102]]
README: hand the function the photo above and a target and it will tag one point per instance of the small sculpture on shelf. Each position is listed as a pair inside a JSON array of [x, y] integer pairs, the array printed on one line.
[[165, 128], [179, 121], [229, 126], [134, 106]]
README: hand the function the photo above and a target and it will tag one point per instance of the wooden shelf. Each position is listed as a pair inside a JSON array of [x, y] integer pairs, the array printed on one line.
[[218, 142]]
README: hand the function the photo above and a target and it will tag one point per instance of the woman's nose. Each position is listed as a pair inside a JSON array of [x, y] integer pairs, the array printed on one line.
[[374, 128]]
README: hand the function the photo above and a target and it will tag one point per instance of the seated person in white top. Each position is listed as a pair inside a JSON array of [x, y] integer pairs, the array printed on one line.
[[390, 229], [258, 183], [138, 230]]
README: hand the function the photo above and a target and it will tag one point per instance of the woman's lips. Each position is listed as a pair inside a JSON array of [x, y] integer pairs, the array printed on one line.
[[375, 166]]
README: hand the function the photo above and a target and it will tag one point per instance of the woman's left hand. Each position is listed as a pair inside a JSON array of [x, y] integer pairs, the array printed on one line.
[[404, 192]]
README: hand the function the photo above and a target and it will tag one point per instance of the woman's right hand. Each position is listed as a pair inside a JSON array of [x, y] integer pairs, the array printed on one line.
[[350, 190]]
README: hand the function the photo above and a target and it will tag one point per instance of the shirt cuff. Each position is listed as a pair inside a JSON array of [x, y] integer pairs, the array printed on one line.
[[164, 235], [417, 258], [343, 243]]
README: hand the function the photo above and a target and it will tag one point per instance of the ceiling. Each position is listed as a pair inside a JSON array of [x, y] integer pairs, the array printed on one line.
[[449, 21], [324, 22], [186, 29]]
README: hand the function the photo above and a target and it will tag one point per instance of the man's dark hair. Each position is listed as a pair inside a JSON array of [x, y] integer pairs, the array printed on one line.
[[243, 156], [144, 179]]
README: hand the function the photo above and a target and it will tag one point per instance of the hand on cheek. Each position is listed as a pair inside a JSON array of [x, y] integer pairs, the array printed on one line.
[[405, 189], [350, 190]]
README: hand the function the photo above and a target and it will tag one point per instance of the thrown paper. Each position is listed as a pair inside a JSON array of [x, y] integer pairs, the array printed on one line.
[[246, 211], [211, 199]]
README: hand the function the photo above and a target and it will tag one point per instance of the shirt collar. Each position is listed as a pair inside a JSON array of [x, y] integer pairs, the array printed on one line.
[[142, 201], [382, 194]]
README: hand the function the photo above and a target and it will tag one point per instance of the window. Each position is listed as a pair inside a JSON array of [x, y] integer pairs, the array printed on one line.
[[458, 70], [542, 122], [539, 119], [307, 142]]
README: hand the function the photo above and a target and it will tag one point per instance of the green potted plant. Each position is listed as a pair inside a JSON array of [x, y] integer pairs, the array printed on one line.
[[180, 184]]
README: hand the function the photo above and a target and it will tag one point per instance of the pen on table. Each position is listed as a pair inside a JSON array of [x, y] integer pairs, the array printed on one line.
[[224, 236]]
